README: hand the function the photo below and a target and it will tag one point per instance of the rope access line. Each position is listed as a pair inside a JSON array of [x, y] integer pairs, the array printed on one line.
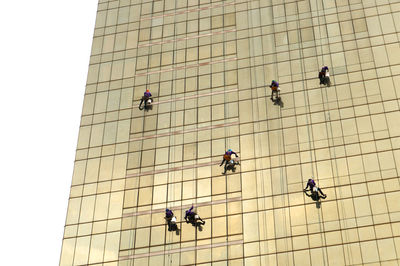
[[328, 127], [258, 132], [133, 222], [308, 112], [171, 153], [281, 152], [280, 141]]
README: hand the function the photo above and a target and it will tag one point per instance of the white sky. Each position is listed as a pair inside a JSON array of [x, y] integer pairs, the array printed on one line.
[[44, 56]]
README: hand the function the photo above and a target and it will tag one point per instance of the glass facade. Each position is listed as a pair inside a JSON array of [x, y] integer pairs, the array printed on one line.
[[208, 65]]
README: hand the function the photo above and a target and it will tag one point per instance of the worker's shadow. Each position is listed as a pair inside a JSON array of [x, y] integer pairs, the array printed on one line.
[[279, 102], [317, 203], [316, 199]]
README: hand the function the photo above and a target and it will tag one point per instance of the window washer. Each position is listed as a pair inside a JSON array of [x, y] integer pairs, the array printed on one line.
[[324, 76], [171, 220], [193, 218], [275, 90], [315, 191], [146, 99], [227, 158]]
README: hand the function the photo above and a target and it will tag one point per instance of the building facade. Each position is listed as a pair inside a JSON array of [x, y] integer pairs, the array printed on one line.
[[208, 65]]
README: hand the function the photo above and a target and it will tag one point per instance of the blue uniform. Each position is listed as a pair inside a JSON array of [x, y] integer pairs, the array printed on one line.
[[311, 184], [274, 84], [189, 212], [169, 213], [230, 153], [193, 218]]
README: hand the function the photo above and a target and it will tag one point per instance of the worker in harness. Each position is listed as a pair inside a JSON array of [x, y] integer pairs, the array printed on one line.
[[275, 90], [193, 218], [227, 159], [171, 220], [314, 191], [147, 100], [324, 76]]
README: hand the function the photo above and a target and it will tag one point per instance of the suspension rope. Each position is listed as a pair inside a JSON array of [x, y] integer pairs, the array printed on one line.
[[226, 96], [256, 112], [195, 170], [226, 108], [281, 150], [328, 125], [171, 153], [133, 224], [308, 113], [250, 20]]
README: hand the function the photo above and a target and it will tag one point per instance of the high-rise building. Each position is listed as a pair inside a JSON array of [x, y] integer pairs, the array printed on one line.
[[208, 65]]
